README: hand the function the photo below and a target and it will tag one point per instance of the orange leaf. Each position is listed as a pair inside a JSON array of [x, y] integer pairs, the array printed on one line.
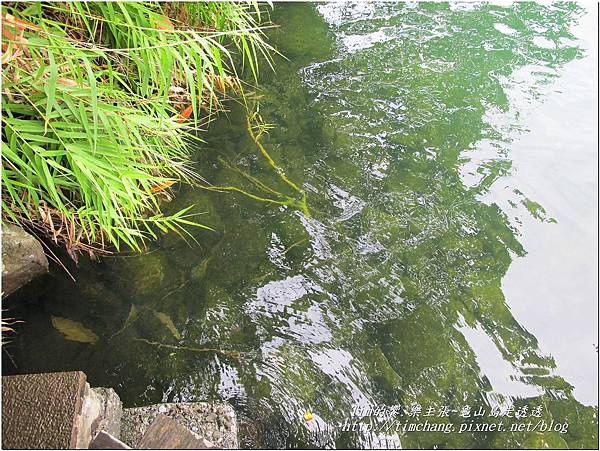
[[185, 113], [66, 81], [161, 186], [18, 23], [220, 83], [163, 23]]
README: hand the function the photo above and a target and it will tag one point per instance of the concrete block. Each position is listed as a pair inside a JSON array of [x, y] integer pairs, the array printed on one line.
[[42, 410]]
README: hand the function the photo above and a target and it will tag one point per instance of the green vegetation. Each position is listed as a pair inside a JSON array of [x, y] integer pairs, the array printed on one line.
[[99, 102]]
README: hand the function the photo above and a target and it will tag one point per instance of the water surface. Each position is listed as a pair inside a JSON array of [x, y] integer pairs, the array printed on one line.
[[449, 259]]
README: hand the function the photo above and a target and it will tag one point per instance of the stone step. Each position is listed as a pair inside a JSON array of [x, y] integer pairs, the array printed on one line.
[[56, 410], [166, 433], [42, 410], [61, 411]]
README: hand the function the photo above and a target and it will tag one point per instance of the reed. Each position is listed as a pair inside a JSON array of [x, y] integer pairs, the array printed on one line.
[[99, 103]]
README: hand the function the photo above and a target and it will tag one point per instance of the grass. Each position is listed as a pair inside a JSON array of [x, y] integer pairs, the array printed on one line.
[[6, 328], [100, 101]]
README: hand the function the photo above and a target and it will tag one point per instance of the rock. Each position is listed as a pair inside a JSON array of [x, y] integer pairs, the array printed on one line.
[[23, 258], [143, 274], [200, 417], [111, 412], [89, 416], [104, 440], [166, 433], [101, 411]]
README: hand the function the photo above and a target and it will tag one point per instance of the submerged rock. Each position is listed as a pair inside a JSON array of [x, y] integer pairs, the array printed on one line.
[[144, 274], [23, 258], [199, 271]]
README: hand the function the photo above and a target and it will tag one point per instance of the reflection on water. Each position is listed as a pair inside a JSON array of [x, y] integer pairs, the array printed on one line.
[[402, 122]]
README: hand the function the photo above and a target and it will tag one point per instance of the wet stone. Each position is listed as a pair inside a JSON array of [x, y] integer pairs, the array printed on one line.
[[23, 258]]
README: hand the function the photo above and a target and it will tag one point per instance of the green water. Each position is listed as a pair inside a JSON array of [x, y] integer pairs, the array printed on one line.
[[448, 154]]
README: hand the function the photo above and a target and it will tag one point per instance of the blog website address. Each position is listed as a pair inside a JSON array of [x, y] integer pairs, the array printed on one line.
[[398, 426]]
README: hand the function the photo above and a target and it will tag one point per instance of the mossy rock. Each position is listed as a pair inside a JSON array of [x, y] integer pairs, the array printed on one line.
[[233, 261], [144, 275], [411, 347], [290, 230], [262, 388], [294, 20], [215, 295], [582, 421]]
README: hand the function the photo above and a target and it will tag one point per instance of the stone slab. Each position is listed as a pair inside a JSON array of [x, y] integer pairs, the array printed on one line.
[[41, 411], [214, 422], [104, 440], [111, 412], [166, 433], [23, 258], [89, 418]]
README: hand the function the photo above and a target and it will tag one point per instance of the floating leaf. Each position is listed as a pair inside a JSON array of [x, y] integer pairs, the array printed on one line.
[[73, 330], [168, 323]]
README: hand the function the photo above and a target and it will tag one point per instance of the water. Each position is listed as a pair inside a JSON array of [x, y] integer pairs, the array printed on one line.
[[449, 154]]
